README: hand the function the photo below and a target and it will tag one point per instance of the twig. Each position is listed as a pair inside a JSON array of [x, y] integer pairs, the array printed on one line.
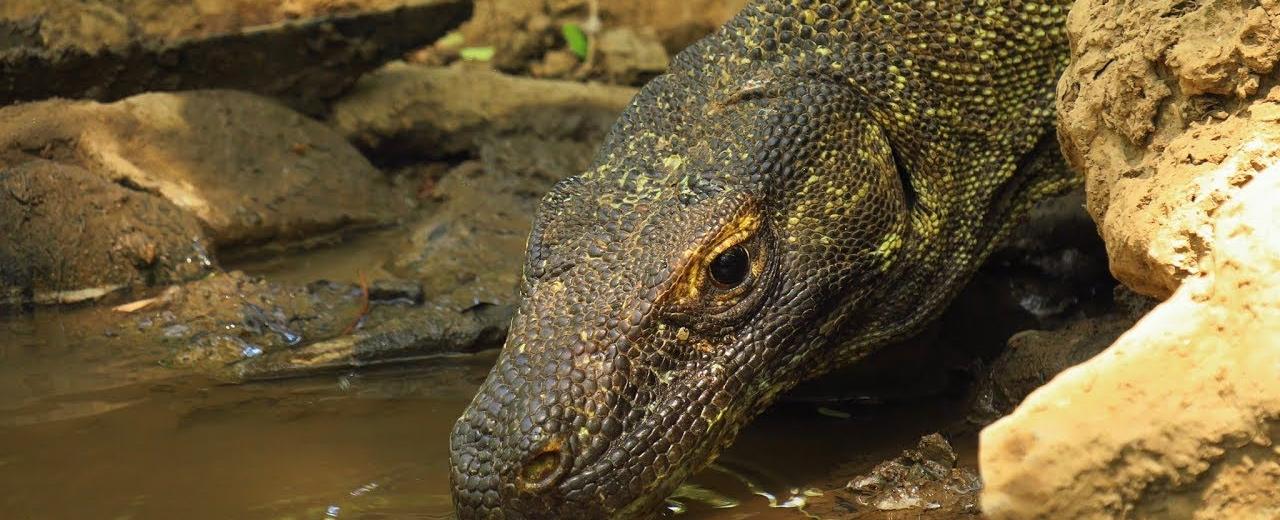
[[364, 305]]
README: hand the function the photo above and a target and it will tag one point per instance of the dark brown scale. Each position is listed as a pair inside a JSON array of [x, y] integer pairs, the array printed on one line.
[[878, 151]]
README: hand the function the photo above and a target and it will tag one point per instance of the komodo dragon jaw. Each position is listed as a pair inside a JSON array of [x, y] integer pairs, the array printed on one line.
[[811, 182]]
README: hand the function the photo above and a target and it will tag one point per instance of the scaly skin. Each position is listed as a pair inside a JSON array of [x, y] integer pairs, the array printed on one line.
[[813, 181]]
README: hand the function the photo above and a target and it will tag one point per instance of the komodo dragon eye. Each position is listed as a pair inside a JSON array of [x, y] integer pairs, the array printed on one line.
[[730, 268]]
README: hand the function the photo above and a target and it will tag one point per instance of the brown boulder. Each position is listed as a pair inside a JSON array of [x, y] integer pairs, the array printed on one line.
[[248, 168], [304, 52], [70, 235], [415, 110]]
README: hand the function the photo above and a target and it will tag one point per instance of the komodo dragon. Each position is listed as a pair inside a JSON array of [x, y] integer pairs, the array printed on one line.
[[815, 180]]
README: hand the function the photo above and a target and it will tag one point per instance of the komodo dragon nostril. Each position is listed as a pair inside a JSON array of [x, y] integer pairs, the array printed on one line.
[[545, 469]]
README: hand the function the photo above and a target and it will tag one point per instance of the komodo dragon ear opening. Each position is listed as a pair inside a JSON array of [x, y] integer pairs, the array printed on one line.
[[908, 190]]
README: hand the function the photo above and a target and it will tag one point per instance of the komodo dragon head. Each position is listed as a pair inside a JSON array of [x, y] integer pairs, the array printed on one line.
[[754, 219], [669, 293]]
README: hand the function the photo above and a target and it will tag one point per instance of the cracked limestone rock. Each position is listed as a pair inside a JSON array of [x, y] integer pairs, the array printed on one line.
[[1170, 111], [1178, 418], [1160, 96]]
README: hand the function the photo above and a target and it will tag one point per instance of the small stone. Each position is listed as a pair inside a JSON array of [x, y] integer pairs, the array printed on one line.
[[556, 64], [631, 57], [406, 291]]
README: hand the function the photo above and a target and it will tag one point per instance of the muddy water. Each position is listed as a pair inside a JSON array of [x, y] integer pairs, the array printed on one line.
[[92, 427]]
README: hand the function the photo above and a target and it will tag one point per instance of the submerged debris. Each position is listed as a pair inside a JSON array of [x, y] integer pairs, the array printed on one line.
[[927, 478]]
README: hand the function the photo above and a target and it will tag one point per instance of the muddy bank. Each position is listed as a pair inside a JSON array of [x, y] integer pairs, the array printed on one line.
[[109, 50], [237, 327]]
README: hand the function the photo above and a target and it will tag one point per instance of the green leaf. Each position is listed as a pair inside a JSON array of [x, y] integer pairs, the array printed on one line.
[[476, 53], [576, 38], [452, 40]]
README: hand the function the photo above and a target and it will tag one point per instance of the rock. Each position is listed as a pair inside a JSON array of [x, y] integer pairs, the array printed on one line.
[[1033, 357], [238, 327], [1177, 419], [556, 64], [107, 50], [396, 291], [470, 249], [21, 33], [450, 289], [1165, 106], [215, 323], [415, 111], [249, 169], [70, 235], [1163, 109], [631, 57], [91, 26], [398, 335], [1168, 110]]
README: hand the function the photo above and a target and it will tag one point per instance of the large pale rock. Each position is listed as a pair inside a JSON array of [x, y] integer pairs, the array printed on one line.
[[1162, 100], [424, 111], [1169, 109], [1177, 419], [246, 167]]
